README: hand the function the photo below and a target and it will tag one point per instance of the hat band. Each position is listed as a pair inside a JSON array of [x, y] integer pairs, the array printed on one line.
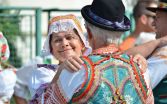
[[162, 5], [107, 22]]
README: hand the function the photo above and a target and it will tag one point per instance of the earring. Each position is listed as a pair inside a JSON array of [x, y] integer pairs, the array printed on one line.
[[83, 49]]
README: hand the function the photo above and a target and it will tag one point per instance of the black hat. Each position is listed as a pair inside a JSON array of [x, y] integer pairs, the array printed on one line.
[[162, 6], [107, 14]]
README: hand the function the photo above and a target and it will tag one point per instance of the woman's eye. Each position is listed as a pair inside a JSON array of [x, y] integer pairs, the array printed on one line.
[[70, 37], [57, 40]]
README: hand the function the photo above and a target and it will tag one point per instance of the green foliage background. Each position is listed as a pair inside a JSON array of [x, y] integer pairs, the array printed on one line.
[[9, 25]]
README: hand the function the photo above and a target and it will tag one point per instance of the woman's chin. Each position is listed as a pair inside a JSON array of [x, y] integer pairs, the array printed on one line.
[[66, 56]]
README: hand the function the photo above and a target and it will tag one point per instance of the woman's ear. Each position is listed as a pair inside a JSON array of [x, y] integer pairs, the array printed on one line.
[[143, 19]]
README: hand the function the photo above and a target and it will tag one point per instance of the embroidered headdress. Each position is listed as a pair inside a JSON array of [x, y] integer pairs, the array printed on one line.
[[65, 23]]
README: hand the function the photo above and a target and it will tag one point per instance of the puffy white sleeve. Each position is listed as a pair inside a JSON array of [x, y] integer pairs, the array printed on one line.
[[68, 82], [38, 77], [157, 68], [23, 76]]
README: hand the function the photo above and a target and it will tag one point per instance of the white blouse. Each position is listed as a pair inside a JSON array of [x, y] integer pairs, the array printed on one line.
[[7, 83]]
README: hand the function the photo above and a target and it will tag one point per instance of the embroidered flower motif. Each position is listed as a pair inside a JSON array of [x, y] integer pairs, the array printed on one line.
[[108, 99], [129, 99], [102, 85], [3, 48]]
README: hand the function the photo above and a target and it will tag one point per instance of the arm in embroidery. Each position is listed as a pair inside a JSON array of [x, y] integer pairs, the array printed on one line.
[[142, 62], [46, 95], [63, 89], [75, 77], [143, 67]]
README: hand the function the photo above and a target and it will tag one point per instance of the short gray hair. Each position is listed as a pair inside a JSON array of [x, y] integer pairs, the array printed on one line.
[[105, 36]]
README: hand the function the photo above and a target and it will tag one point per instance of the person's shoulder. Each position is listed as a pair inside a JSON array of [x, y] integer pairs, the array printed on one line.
[[96, 59], [135, 62]]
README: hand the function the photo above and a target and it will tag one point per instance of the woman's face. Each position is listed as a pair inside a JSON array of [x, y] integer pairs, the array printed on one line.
[[65, 44]]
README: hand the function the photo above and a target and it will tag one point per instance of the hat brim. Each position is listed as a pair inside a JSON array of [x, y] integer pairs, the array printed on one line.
[[152, 9], [125, 26]]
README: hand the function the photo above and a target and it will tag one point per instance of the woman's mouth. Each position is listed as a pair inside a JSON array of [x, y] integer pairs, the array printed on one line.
[[65, 50]]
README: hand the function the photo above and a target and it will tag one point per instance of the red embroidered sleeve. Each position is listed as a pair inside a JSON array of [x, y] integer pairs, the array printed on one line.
[[48, 97]]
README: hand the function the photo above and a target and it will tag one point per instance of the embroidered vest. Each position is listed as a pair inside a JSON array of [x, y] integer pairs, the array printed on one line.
[[112, 79]]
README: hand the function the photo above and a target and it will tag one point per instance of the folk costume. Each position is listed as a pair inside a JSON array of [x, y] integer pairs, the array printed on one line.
[[106, 77], [42, 76]]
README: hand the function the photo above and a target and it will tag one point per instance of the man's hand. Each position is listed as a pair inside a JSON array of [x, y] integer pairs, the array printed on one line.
[[72, 64], [162, 41]]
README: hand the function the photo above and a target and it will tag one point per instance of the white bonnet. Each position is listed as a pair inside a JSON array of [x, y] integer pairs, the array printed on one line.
[[64, 23]]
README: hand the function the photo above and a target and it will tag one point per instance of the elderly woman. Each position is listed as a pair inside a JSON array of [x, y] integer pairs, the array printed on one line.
[[7, 73], [66, 43]]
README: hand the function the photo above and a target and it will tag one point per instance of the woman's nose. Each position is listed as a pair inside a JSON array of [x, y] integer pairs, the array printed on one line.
[[65, 43]]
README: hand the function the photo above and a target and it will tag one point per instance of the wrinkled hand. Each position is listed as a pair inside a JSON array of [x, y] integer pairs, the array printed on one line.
[[139, 59], [72, 64], [162, 41]]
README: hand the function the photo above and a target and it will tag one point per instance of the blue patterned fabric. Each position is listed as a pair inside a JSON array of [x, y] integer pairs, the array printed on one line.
[[112, 79]]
